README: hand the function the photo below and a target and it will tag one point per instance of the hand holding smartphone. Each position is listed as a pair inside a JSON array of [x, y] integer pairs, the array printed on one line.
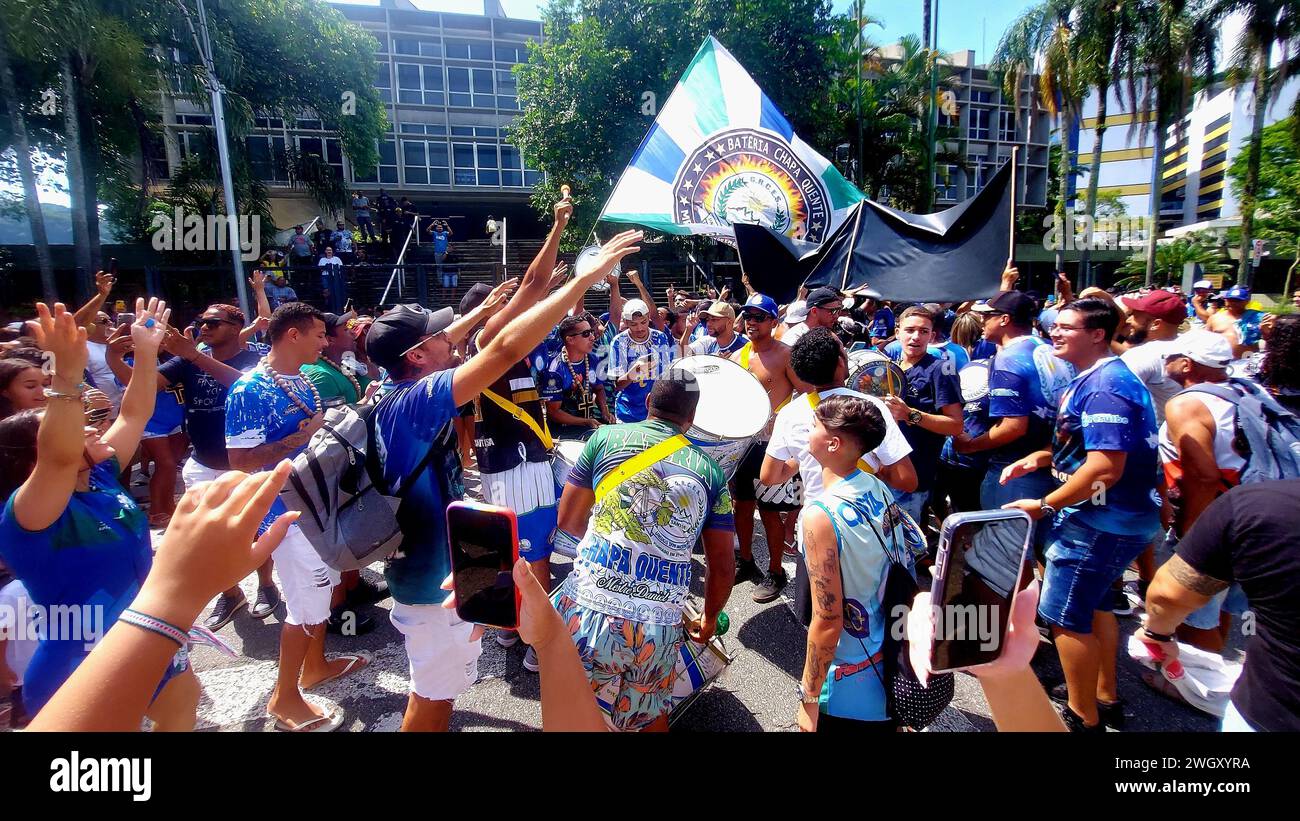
[[484, 545]]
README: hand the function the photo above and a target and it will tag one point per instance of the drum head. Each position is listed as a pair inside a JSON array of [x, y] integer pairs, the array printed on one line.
[[586, 261], [570, 449], [874, 374], [974, 381], [733, 404]]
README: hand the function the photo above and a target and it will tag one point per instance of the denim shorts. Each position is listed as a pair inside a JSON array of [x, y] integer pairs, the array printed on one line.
[[1082, 564]]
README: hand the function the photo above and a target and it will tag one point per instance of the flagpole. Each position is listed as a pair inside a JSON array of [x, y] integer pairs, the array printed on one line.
[[848, 261], [1011, 241]]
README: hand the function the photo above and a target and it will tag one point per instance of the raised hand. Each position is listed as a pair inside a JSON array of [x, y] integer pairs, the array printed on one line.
[[120, 343], [558, 275], [178, 344], [1010, 274], [57, 332], [611, 253], [150, 324], [564, 208], [258, 279], [500, 295], [104, 283]]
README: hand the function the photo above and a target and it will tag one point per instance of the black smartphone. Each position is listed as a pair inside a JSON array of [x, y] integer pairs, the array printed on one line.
[[982, 562], [112, 266], [484, 545]]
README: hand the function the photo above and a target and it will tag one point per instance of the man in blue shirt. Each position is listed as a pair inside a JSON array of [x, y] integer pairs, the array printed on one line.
[[440, 233], [1025, 382], [1104, 459], [411, 431], [637, 356]]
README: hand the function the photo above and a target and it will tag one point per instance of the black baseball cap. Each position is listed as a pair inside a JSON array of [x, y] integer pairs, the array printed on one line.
[[1016, 304], [401, 329], [333, 321], [474, 297], [823, 296]]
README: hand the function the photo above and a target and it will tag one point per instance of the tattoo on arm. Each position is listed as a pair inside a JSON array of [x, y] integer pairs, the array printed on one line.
[[1192, 579]]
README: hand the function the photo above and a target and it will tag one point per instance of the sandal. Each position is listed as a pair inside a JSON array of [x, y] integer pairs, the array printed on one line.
[[328, 723], [356, 661]]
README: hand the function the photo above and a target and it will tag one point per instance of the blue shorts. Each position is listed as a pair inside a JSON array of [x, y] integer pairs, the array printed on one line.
[[1231, 599], [630, 664], [1082, 564], [529, 490]]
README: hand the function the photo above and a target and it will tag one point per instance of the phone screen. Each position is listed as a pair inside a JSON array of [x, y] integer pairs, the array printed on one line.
[[980, 567], [484, 544]]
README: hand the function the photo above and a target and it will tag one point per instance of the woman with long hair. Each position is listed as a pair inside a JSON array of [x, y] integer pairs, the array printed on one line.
[[69, 530], [22, 386]]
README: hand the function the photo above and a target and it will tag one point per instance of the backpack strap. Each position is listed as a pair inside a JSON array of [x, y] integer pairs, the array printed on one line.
[[638, 463], [374, 468]]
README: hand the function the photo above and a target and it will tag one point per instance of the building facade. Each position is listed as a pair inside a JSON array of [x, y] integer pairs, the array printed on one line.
[[450, 95]]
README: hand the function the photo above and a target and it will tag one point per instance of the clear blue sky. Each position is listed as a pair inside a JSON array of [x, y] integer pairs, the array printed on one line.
[[963, 24]]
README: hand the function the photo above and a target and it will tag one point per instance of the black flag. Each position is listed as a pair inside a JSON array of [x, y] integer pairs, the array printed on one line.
[[951, 256], [776, 264]]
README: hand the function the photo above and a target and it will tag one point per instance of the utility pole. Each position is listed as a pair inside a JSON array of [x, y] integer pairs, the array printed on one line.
[[204, 45], [932, 110], [857, 60]]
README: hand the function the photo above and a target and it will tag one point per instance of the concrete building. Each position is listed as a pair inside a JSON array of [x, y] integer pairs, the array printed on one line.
[[450, 94], [988, 127]]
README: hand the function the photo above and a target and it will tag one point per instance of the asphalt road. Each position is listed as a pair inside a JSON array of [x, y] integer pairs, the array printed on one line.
[[755, 694]]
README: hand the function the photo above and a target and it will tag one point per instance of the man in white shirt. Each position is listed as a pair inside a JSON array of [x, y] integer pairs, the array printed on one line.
[[819, 359], [97, 336], [1153, 323], [332, 285], [722, 339], [824, 307]]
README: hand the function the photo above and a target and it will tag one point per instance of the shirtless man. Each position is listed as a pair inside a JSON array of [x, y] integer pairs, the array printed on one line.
[[768, 360]]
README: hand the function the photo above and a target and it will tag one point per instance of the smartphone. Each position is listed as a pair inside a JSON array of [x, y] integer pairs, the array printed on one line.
[[112, 266], [982, 562], [484, 545]]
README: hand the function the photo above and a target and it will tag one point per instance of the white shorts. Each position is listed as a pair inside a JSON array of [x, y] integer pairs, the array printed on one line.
[[192, 473], [20, 645], [444, 662], [164, 435], [523, 489], [305, 580]]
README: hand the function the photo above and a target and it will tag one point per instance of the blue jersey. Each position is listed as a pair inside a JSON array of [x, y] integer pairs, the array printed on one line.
[[413, 417], [1026, 379], [623, 354], [1108, 408], [882, 323], [440, 240], [258, 412]]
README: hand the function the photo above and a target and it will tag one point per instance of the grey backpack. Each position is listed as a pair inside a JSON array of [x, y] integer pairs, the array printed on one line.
[[1267, 435], [349, 513]]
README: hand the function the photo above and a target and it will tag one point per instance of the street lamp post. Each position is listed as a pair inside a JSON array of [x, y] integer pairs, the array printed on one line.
[[932, 110]]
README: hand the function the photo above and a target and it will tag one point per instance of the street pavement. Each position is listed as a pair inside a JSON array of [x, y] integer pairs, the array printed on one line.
[[756, 693]]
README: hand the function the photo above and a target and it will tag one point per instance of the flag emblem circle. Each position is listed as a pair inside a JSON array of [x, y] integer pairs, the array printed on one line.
[[748, 175]]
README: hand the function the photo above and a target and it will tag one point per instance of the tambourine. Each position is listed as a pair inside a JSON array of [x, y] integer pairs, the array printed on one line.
[[875, 374], [586, 261]]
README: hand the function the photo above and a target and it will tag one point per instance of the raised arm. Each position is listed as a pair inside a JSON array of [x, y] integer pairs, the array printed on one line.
[[258, 281], [649, 300], [142, 391], [103, 286], [460, 329], [178, 344], [60, 441], [537, 279], [527, 332]]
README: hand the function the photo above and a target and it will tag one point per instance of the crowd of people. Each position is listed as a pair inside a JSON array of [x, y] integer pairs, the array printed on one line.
[[1148, 430]]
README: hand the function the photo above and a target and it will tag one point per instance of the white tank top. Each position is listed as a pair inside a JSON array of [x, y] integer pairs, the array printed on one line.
[[1229, 461]]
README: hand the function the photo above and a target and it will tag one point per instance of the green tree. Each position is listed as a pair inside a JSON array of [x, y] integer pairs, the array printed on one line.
[[1269, 25], [1277, 215], [590, 91], [1171, 258]]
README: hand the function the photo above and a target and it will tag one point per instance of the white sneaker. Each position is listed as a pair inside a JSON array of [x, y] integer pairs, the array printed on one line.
[[507, 638]]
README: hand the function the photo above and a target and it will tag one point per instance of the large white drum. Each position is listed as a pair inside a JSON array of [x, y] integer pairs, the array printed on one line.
[[733, 409], [563, 458], [586, 260], [873, 373]]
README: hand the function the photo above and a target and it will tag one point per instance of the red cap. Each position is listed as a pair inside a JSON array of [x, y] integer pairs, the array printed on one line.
[[1160, 304]]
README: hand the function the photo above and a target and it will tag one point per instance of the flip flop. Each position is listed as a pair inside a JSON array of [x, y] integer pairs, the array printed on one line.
[[328, 723], [356, 661]]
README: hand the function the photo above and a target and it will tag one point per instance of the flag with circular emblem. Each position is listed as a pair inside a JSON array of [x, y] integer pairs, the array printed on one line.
[[720, 153]]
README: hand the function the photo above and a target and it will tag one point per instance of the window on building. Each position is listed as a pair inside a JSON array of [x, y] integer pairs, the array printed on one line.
[[465, 168], [978, 96], [945, 182], [1007, 126], [329, 149], [511, 53], [430, 48], [386, 172], [266, 155], [458, 50], [488, 165], [484, 88], [420, 84], [383, 82], [425, 162], [458, 87], [511, 166], [507, 91], [978, 128]]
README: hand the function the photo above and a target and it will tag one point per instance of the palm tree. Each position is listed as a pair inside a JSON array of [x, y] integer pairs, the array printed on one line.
[[1172, 45], [1105, 45], [1042, 39], [1268, 24], [23, 157]]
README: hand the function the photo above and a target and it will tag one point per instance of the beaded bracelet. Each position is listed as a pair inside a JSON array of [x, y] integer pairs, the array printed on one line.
[[50, 393], [156, 625]]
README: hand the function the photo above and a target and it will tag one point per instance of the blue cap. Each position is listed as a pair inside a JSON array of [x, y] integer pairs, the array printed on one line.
[[1237, 292], [762, 303]]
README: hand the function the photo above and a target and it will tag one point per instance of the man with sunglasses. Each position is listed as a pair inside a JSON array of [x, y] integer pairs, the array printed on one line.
[[98, 333], [574, 394], [824, 306]]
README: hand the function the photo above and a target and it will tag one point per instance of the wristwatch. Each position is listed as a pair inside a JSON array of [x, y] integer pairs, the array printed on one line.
[[914, 417], [804, 698], [1047, 509]]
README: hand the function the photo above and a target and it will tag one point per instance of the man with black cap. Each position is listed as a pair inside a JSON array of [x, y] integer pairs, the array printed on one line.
[[429, 385], [824, 306], [512, 442], [337, 375], [1025, 383]]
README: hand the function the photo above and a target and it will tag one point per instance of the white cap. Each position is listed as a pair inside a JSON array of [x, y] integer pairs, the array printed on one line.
[[796, 312], [1203, 347], [1202, 283], [635, 306]]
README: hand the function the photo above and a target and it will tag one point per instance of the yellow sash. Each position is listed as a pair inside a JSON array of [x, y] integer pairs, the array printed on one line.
[[543, 431], [815, 399], [744, 363], [639, 463]]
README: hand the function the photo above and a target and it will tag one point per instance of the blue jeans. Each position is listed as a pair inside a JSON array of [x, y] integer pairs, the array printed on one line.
[[1082, 564], [1034, 485]]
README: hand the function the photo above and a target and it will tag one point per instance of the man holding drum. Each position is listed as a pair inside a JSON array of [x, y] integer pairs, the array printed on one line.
[[768, 360]]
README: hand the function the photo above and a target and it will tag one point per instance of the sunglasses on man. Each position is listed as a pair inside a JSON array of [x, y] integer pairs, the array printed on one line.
[[212, 322], [587, 334], [755, 316]]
